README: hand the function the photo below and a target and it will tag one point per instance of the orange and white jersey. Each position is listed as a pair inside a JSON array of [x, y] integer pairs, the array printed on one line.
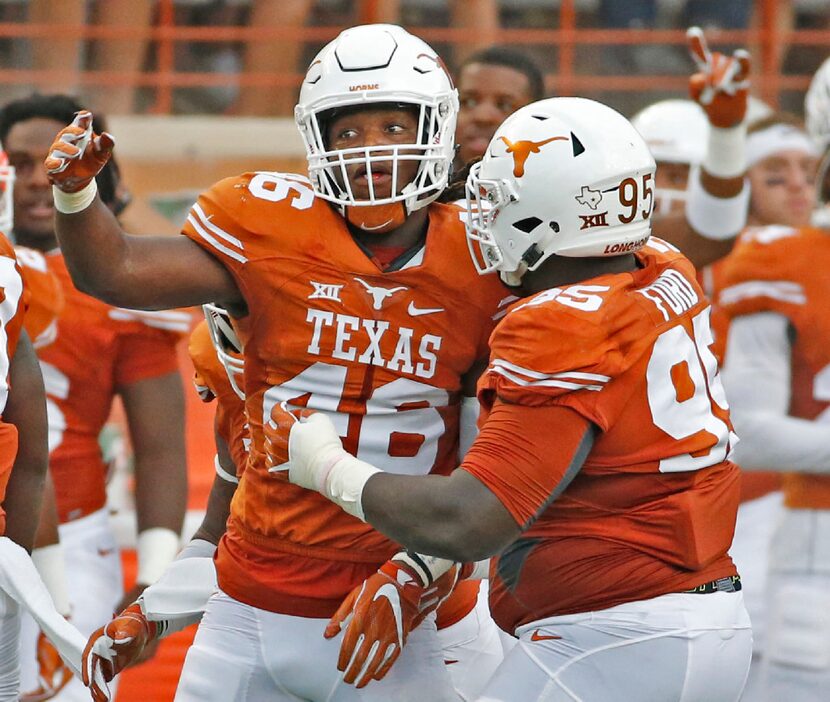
[[46, 299], [211, 381], [381, 352], [652, 510], [13, 304], [784, 270], [97, 350]]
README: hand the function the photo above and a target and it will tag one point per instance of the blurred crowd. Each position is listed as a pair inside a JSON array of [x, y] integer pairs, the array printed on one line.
[[238, 73]]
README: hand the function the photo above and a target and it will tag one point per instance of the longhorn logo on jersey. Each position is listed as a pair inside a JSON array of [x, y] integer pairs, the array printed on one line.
[[520, 150], [378, 293]]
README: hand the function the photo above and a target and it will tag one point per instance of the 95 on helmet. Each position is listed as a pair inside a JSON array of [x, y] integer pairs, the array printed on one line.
[[564, 176]]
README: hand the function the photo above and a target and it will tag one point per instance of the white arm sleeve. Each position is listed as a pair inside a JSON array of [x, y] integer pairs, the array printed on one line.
[[179, 597], [757, 380], [467, 425]]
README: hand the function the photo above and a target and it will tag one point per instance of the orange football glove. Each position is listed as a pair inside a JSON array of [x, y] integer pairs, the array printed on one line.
[[53, 674], [78, 154], [277, 431], [379, 614], [113, 647], [721, 85]]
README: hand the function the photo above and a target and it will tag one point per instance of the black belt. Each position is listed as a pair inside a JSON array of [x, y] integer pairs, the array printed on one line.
[[730, 584]]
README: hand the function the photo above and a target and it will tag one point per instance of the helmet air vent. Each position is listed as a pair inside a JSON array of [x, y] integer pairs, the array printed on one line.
[[528, 224]]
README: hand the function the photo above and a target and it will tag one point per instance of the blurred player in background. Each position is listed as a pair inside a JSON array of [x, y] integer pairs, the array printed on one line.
[[782, 163], [817, 116], [603, 452], [775, 287], [492, 85], [99, 352], [23, 435]]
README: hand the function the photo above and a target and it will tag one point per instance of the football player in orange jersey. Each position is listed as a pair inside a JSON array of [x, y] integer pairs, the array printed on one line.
[[23, 445], [352, 293], [469, 639], [99, 352], [492, 84], [601, 475], [782, 166], [774, 288]]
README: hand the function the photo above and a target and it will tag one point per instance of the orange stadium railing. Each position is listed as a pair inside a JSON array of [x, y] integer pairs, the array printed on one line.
[[766, 38]]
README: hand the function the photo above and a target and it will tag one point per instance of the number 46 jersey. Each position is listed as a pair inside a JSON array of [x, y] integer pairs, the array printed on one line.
[[381, 352]]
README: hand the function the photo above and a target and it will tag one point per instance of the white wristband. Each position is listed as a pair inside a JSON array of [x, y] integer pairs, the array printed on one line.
[[70, 203], [345, 481], [715, 218], [50, 565], [726, 152], [156, 547]]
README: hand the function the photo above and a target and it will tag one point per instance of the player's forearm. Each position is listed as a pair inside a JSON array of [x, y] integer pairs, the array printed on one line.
[[161, 491], [449, 517], [218, 508], [26, 410], [95, 249]]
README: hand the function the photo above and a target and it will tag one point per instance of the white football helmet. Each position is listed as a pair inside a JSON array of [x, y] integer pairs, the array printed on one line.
[[6, 194], [817, 106], [676, 131], [372, 65], [226, 343], [565, 176], [817, 117]]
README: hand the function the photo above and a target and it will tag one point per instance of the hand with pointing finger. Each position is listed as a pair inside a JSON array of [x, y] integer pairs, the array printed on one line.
[[721, 85], [78, 154]]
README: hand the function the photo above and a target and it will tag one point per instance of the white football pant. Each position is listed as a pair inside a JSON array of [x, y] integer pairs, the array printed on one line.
[[754, 529], [246, 654], [673, 648], [472, 648], [9, 649], [95, 587], [795, 663]]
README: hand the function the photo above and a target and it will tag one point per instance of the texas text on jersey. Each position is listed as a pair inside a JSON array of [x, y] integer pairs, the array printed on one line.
[[382, 353]]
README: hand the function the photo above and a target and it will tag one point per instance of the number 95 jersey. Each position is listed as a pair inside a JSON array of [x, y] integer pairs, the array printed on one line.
[[381, 352], [652, 508]]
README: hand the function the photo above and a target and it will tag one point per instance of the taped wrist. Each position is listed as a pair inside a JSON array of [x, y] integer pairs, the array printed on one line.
[[344, 482], [713, 217], [70, 203], [726, 151]]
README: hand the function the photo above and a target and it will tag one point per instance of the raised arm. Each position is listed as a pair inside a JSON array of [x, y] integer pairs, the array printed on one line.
[[104, 261], [717, 196]]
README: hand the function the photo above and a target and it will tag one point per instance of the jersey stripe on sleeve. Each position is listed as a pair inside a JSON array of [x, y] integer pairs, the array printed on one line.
[[206, 230]]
